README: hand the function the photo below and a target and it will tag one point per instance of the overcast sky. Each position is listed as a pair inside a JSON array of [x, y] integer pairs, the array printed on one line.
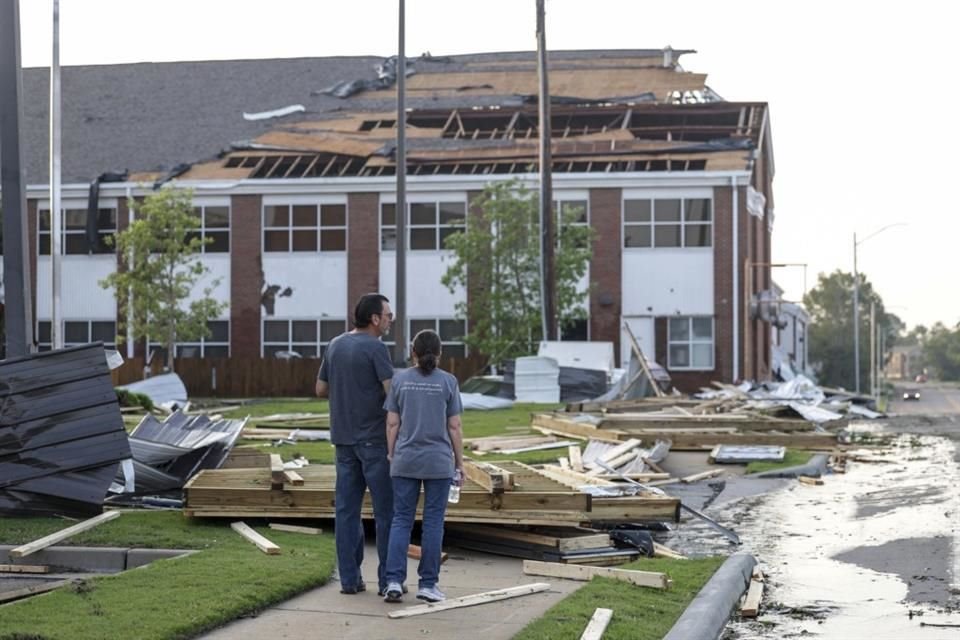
[[862, 96]]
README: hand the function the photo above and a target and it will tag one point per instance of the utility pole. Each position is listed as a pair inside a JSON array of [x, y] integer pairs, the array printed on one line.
[[856, 318], [547, 216], [56, 237], [400, 210], [873, 349], [16, 267]]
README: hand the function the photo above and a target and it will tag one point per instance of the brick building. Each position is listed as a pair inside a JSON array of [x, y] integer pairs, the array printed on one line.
[[292, 168]]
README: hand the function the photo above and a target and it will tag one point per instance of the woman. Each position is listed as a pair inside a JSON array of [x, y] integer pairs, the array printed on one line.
[[425, 447]]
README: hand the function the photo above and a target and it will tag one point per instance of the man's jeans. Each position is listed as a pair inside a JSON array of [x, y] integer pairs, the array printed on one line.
[[358, 467], [406, 492]]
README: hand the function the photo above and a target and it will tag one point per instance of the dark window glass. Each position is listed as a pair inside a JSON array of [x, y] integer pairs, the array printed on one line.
[[416, 326], [452, 213], [217, 218], [305, 215], [105, 332], [192, 235], [333, 215], [703, 356], [388, 240], [216, 351], [452, 329], [304, 331], [697, 210], [75, 244], [76, 332], [458, 351], [666, 210], [576, 210], [423, 213], [679, 329], [304, 240], [44, 220], [423, 239], [269, 351], [702, 329], [107, 219], [277, 216], [333, 240], [188, 351], [219, 331], [446, 232], [696, 235], [276, 240], [636, 211], [75, 219], [388, 215], [576, 330], [306, 350], [330, 329], [679, 355], [43, 331], [666, 235], [636, 236], [276, 331], [43, 242], [220, 242]]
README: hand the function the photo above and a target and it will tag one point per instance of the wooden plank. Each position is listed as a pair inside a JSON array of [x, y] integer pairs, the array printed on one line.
[[701, 476], [567, 428], [616, 452], [653, 579], [575, 456], [292, 477], [53, 538], [9, 596], [415, 552], [597, 625], [276, 471], [810, 480], [660, 551], [751, 604], [24, 568], [250, 535], [563, 462], [490, 477], [469, 601], [571, 478], [635, 347], [295, 528]]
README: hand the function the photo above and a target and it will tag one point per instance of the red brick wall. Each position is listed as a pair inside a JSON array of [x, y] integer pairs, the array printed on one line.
[[723, 293], [605, 267], [246, 275], [363, 247]]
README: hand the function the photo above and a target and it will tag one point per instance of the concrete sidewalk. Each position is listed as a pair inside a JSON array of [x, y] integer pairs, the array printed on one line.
[[325, 612]]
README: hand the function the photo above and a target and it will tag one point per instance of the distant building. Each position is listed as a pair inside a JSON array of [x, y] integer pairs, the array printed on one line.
[[294, 186], [905, 363]]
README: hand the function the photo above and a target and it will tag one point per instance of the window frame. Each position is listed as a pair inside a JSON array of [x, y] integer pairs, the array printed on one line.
[[47, 345], [683, 224], [202, 207], [318, 228], [65, 232], [319, 344], [203, 343], [436, 320], [690, 342], [437, 225]]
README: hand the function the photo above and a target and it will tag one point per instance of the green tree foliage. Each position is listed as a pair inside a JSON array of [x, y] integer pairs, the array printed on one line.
[[941, 351], [830, 304], [161, 257], [500, 253]]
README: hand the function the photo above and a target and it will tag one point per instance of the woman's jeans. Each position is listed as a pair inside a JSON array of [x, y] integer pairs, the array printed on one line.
[[406, 493]]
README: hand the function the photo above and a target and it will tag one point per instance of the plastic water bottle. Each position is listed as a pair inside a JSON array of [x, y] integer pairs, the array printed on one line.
[[454, 496]]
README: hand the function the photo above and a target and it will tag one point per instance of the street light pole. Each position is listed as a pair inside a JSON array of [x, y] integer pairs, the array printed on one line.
[[856, 318]]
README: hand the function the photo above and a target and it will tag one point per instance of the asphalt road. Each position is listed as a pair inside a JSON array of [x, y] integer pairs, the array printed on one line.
[[936, 398]]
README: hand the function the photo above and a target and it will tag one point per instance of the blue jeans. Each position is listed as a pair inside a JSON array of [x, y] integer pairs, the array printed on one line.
[[406, 493], [358, 467]]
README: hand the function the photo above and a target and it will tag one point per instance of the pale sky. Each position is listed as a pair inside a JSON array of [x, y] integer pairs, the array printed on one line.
[[862, 96]]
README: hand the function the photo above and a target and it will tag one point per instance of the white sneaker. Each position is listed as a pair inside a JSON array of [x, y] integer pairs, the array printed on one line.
[[394, 593], [430, 594]]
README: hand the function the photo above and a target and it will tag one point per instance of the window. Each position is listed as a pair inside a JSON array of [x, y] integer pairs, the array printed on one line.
[[428, 224], [575, 330], [214, 226], [308, 338], [450, 331], [668, 222], [78, 332], [305, 227], [216, 345], [74, 233], [573, 210], [690, 343]]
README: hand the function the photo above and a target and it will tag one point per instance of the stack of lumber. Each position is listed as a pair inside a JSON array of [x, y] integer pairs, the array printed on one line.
[[685, 432], [549, 544], [510, 444], [506, 492]]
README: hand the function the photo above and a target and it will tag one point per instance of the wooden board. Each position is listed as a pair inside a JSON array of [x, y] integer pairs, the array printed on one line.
[[250, 535], [469, 601], [415, 552], [575, 456], [597, 625], [53, 538], [277, 478], [490, 477], [294, 528], [292, 477], [651, 579], [701, 476], [751, 604], [24, 568]]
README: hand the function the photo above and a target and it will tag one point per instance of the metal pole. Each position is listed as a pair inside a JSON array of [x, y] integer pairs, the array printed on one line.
[[547, 216], [16, 266], [56, 238], [856, 318], [400, 302], [873, 349]]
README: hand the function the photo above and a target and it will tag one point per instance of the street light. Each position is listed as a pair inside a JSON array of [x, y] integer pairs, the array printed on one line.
[[856, 300]]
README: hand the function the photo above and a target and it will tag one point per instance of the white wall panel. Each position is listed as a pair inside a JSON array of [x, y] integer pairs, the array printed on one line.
[[665, 282], [645, 333], [426, 296], [219, 269], [81, 296], [319, 284]]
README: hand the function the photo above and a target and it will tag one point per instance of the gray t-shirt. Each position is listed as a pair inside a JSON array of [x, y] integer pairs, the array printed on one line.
[[355, 366], [424, 402]]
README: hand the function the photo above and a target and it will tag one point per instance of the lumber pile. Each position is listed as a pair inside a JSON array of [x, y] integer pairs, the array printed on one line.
[[549, 544]]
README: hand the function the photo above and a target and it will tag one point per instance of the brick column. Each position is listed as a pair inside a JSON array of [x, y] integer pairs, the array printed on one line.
[[246, 275], [606, 265], [723, 294], [363, 248]]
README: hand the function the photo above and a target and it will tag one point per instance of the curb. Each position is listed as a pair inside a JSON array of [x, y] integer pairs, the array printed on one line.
[[709, 612], [815, 467]]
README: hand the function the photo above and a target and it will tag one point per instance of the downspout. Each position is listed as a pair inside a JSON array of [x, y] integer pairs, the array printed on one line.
[[736, 279], [130, 218]]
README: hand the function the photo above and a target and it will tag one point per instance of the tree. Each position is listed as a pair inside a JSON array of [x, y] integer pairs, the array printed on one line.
[[500, 252], [161, 268], [830, 304], [941, 351]]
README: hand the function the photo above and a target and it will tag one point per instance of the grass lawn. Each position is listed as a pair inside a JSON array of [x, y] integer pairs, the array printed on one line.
[[177, 598], [793, 458], [639, 613]]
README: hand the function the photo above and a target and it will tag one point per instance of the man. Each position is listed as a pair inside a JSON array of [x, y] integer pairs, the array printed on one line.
[[355, 374]]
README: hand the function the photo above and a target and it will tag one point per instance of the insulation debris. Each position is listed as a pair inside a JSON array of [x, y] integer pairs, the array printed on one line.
[[275, 113]]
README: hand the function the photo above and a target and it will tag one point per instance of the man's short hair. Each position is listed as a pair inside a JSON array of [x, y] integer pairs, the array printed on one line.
[[367, 306]]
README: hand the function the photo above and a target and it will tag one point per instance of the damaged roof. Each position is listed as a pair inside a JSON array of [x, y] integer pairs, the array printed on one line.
[[627, 110]]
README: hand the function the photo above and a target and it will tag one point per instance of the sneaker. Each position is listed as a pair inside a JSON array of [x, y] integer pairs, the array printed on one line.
[[383, 590], [394, 593], [430, 594]]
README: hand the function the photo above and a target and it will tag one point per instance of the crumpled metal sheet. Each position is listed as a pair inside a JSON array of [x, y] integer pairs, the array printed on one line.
[[61, 432]]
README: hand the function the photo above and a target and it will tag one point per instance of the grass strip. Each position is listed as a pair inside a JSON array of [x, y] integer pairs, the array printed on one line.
[[168, 599], [639, 613], [793, 458]]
